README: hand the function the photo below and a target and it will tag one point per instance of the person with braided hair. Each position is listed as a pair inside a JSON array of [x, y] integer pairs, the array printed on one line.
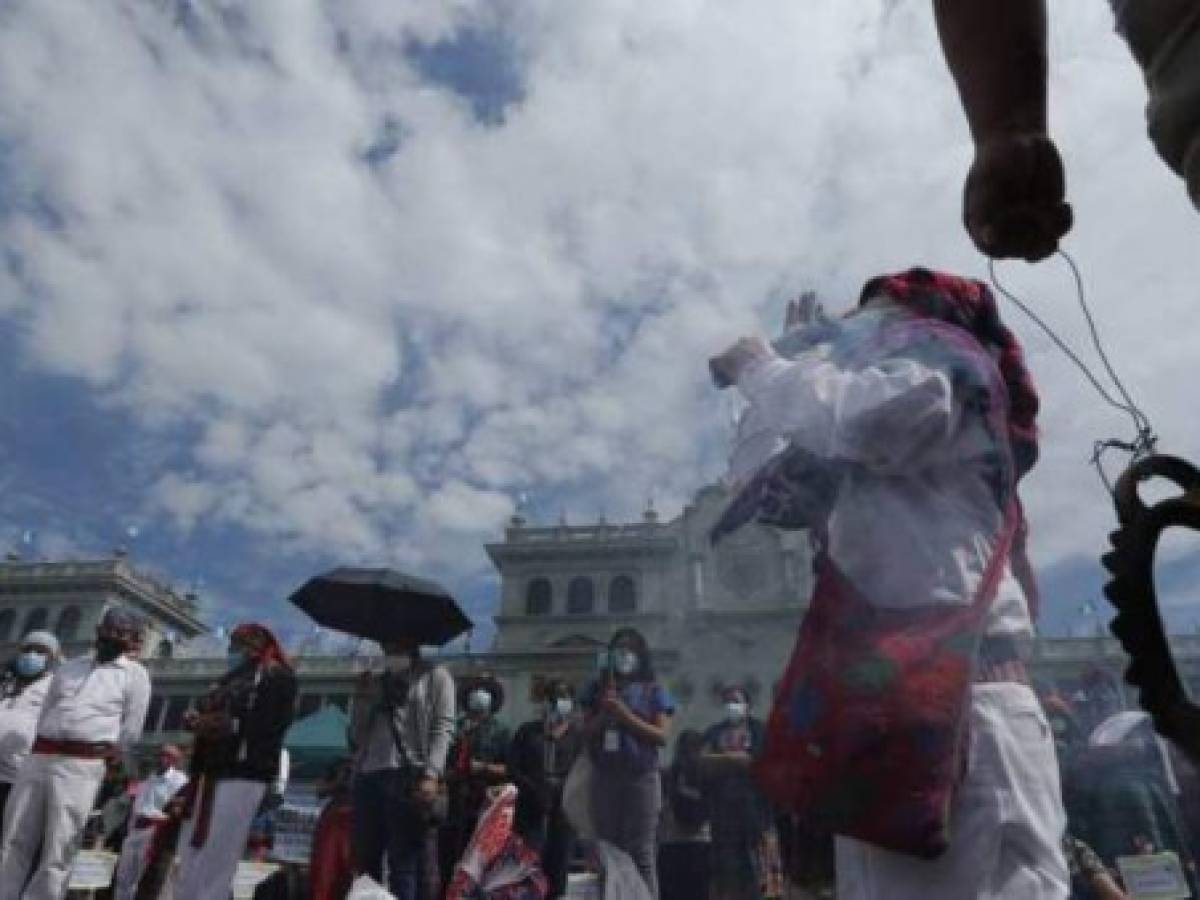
[[239, 727]]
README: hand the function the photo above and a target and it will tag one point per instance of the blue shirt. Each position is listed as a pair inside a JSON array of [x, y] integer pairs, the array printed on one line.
[[647, 700]]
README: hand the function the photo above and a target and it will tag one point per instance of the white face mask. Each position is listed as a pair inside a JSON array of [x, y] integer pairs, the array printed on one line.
[[735, 712], [31, 663], [625, 662], [479, 701], [562, 707]]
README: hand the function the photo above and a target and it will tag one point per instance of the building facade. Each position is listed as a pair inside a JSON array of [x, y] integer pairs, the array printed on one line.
[[714, 616], [69, 599]]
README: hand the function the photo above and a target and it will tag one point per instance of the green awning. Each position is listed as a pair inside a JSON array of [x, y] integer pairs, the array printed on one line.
[[317, 741]]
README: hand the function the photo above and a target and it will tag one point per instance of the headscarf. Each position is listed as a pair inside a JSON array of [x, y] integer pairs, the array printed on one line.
[[968, 304], [261, 645], [45, 640]]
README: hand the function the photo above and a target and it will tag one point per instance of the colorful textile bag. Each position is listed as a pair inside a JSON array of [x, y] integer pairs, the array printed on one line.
[[868, 732]]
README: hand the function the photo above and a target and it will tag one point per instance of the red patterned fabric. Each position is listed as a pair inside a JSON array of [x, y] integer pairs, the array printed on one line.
[[867, 732], [497, 864]]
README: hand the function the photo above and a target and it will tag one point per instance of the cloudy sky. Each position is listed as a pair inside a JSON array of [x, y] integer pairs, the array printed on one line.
[[284, 284]]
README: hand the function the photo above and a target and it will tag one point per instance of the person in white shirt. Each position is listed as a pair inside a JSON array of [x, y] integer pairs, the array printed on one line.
[[149, 814], [23, 686], [95, 708], [919, 411]]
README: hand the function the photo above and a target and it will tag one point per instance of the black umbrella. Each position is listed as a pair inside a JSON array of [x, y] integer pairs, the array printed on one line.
[[383, 605]]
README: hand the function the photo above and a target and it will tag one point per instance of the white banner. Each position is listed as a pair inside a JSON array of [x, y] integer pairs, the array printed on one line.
[[92, 870], [1157, 876], [248, 876], [294, 827]]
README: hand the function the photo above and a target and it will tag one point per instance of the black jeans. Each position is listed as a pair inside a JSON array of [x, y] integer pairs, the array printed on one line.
[[552, 837], [386, 826]]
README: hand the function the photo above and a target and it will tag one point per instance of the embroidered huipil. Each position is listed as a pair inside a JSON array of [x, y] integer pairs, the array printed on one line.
[[897, 406]]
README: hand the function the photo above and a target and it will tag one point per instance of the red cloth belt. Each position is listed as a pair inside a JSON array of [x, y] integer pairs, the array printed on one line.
[[202, 793], [77, 749]]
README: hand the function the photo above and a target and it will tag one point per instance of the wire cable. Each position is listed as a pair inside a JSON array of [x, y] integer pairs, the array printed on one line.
[[1145, 438]]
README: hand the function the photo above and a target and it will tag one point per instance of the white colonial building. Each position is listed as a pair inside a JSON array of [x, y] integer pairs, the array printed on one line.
[[713, 617]]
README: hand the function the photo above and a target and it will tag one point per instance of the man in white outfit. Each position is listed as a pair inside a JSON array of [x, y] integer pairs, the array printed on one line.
[[148, 815], [94, 709], [902, 399], [23, 687]]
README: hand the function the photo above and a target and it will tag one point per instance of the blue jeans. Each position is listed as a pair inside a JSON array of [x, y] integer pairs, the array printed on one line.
[[386, 827]]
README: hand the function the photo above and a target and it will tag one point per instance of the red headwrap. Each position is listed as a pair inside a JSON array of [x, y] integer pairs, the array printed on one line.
[[969, 305], [260, 644]]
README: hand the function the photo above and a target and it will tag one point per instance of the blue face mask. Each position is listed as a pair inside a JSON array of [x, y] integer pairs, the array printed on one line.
[[236, 659], [30, 663]]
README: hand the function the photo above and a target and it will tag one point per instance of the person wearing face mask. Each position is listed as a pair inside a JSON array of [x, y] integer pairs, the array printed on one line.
[[239, 727], [479, 760], [628, 722], [542, 753], [400, 731], [23, 686], [746, 860], [94, 709]]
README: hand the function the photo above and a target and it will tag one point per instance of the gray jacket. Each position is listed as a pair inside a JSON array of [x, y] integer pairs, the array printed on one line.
[[425, 722]]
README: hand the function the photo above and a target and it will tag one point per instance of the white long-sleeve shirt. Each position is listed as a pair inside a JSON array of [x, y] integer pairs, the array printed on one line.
[[152, 797], [98, 702], [18, 725], [916, 516]]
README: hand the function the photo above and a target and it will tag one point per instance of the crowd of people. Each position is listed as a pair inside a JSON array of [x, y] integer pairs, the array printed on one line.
[[896, 436], [907, 749], [69, 727], [430, 757]]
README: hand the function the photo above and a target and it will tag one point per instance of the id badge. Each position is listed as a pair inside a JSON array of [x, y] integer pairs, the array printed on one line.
[[612, 740]]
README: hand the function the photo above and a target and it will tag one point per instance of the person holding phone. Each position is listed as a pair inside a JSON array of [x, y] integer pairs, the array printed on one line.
[[628, 722]]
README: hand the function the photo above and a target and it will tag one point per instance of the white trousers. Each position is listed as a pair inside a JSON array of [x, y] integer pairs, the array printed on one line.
[[48, 807], [134, 856], [205, 873], [1006, 826]]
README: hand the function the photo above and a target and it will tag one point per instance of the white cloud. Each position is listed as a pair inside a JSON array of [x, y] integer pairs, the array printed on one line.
[[374, 361]]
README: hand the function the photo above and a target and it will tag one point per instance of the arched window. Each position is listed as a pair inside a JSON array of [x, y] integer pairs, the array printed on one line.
[[8, 618], [539, 597], [36, 620], [67, 628], [622, 595], [581, 596]]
